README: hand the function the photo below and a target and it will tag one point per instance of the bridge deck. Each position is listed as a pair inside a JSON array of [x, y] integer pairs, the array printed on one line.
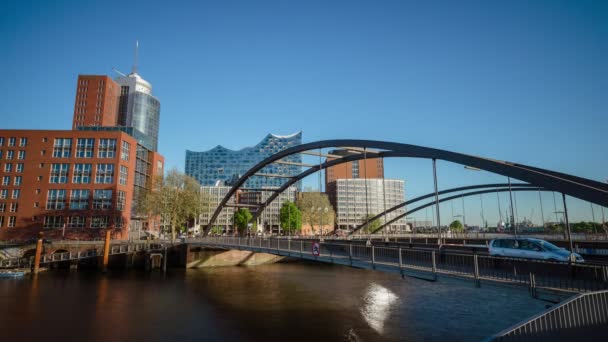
[[429, 263]]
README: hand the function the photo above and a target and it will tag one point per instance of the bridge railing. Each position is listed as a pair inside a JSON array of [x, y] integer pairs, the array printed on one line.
[[584, 315], [534, 273]]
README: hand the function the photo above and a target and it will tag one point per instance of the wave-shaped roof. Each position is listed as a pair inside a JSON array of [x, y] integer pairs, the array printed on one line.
[[296, 135]]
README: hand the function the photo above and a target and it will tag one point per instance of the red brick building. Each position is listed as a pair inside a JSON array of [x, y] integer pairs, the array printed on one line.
[[75, 184], [96, 101]]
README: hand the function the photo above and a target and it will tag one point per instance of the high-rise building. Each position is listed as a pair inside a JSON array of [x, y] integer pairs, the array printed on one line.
[[356, 199], [225, 166], [96, 101], [78, 183], [137, 107], [364, 168]]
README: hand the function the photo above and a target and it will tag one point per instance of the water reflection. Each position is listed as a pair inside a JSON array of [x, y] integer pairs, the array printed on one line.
[[377, 306]]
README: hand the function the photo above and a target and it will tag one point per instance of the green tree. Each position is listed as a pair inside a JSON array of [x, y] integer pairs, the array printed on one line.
[[174, 198], [456, 227], [371, 227], [309, 204], [216, 230], [242, 217], [290, 217]]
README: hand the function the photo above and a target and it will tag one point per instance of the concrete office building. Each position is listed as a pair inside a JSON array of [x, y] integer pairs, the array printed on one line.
[[355, 199]]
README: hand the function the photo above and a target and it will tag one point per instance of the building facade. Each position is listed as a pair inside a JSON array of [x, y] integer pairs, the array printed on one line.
[[268, 222], [212, 196], [356, 199], [138, 108], [223, 166], [96, 101], [54, 178], [364, 168]]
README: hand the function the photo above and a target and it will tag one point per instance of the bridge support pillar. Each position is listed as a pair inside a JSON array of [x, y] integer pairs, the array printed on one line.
[[38, 253], [106, 250]]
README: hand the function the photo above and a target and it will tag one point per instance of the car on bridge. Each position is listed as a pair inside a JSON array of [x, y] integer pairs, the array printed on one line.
[[531, 249]]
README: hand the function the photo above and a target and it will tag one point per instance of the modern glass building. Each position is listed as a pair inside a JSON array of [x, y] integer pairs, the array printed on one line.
[[137, 107], [224, 166]]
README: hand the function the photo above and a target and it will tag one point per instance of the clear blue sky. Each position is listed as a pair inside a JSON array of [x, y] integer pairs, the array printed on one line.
[[525, 81]]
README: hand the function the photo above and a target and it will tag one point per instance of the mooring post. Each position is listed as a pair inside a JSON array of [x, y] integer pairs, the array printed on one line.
[[165, 260], [106, 250], [38, 253]]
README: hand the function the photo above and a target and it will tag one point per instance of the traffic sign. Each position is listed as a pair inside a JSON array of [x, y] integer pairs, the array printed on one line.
[[316, 249]]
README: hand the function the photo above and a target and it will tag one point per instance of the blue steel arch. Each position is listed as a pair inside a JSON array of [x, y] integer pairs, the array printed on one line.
[[585, 189]]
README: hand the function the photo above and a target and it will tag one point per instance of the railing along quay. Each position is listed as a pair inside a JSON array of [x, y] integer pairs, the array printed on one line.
[[115, 248], [536, 274]]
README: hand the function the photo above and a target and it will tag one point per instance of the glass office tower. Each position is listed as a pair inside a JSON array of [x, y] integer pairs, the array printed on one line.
[[137, 107], [224, 166]]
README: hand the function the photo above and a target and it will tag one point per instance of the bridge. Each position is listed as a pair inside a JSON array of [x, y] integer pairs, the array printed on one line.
[[426, 263], [534, 178]]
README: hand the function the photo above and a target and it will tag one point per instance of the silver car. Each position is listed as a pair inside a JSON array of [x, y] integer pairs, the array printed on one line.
[[530, 248]]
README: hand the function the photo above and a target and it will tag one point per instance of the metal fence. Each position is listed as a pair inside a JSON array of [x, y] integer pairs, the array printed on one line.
[[533, 273], [583, 316], [119, 248]]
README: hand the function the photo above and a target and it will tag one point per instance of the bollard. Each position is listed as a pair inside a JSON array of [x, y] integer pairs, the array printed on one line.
[[350, 253], [400, 259], [106, 250], [38, 253], [301, 247]]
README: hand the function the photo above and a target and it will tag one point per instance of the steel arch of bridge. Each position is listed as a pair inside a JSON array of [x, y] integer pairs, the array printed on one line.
[[466, 194], [582, 188], [494, 186]]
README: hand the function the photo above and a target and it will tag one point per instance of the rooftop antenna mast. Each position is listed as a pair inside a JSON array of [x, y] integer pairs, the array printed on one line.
[[134, 71]]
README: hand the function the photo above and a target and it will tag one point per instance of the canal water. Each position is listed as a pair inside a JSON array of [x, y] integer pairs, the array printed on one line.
[[279, 302]]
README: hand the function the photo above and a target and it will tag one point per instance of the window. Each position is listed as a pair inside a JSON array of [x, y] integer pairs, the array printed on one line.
[[10, 154], [82, 174], [14, 207], [121, 200], [102, 199], [104, 174], [55, 200], [0, 154], [1, 141], [21, 155], [6, 180], [107, 148], [124, 153], [1, 221], [77, 222], [16, 193], [22, 142], [118, 222], [11, 142], [11, 221], [79, 199], [59, 173], [62, 148], [53, 222], [84, 148], [124, 171], [18, 180], [3, 193], [19, 168], [99, 222], [2, 207], [8, 167]]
